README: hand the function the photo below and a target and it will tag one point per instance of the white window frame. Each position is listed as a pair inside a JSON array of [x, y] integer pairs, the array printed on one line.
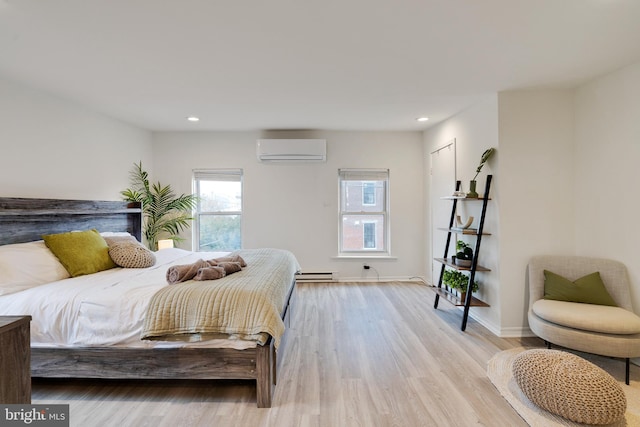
[[235, 175], [372, 175]]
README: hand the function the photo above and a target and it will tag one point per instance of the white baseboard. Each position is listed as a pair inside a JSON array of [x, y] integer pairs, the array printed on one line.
[[383, 279], [493, 328], [503, 332], [516, 332]]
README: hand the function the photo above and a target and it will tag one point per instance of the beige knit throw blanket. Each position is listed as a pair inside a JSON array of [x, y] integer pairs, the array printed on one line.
[[245, 305]]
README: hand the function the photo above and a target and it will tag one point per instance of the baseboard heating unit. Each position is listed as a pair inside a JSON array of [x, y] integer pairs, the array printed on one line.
[[304, 276]]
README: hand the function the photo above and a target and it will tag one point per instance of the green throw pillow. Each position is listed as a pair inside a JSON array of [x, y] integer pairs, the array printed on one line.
[[588, 289], [80, 252]]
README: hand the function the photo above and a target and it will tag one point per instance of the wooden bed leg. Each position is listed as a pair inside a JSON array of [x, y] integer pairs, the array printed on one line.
[[264, 374]]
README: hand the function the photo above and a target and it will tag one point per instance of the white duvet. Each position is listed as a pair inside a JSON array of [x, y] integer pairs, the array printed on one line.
[[102, 309]]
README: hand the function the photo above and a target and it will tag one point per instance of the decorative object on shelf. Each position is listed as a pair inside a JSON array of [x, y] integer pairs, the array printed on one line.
[[164, 213], [459, 281], [472, 194], [464, 254], [462, 225]]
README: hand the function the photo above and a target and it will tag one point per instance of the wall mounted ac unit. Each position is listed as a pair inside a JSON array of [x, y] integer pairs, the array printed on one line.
[[291, 150]]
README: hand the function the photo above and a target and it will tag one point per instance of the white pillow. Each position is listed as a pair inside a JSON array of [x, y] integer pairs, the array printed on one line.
[[26, 265], [114, 233]]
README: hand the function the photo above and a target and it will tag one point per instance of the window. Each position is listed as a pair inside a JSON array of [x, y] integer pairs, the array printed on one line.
[[364, 217], [369, 235], [218, 215], [369, 193]]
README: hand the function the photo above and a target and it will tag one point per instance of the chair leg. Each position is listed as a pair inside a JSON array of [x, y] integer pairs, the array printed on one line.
[[626, 374]]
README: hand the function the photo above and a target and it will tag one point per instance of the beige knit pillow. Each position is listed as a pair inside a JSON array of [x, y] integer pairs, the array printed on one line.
[[131, 254], [569, 386]]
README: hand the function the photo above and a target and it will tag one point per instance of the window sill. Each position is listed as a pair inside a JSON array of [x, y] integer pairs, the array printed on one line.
[[364, 256]]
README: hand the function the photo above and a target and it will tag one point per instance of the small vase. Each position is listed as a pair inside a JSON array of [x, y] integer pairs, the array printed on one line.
[[472, 190]]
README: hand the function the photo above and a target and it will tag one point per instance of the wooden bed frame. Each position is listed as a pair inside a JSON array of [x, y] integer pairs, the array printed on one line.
[[25, 220]]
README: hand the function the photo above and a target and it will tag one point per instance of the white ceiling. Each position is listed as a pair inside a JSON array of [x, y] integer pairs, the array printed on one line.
[[307, 64]]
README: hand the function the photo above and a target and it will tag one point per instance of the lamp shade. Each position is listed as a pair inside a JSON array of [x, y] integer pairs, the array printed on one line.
[[165, 244]]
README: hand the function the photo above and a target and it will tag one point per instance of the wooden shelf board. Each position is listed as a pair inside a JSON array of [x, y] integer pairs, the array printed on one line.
[[455, 300], [463, 198], [448, 263], [463, 232]]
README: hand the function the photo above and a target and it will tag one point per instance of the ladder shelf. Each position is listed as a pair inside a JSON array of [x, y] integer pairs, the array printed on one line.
[[440, 290]]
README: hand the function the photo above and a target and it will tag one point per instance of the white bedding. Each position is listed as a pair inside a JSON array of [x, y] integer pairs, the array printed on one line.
[[103, 309]]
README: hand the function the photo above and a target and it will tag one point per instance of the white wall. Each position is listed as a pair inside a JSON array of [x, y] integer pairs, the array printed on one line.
[[536, 191], [607, 116], [52, 148], [474, 130], [296, 206]]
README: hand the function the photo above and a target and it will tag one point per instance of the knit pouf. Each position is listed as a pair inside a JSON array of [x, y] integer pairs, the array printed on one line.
[[569, 386], [130, 254]]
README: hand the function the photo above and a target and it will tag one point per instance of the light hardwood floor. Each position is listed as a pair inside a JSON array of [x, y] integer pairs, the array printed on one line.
[[358, 354]]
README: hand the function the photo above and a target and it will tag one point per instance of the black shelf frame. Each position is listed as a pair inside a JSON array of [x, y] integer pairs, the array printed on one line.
[[469, 299]]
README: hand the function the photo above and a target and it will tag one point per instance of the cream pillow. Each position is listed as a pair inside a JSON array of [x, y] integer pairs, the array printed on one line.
[[111, 239], [115, 234], [26, 265]]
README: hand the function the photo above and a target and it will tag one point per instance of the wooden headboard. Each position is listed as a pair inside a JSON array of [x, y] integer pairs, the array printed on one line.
[[26, 220]]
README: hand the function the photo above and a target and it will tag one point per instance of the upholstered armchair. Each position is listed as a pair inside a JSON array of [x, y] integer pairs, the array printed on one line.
[[591, 328]]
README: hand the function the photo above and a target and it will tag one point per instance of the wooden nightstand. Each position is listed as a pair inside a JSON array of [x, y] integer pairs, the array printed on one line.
[[15, 359]]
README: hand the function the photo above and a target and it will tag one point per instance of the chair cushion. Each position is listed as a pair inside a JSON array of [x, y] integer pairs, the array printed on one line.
[[588, 317], [569, 386]]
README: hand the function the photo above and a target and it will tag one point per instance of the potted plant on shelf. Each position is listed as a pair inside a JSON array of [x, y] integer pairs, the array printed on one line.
[[464, 254], [472, 184], [459, 281], [164, 214]]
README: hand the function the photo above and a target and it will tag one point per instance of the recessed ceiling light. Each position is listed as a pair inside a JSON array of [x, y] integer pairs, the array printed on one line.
[[422, 119], [193, 119]]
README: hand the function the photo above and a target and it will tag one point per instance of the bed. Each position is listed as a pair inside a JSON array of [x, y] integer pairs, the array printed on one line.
[[103, 340]]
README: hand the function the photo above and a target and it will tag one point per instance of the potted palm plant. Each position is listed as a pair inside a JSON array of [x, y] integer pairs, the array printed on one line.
[[164, 214]]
